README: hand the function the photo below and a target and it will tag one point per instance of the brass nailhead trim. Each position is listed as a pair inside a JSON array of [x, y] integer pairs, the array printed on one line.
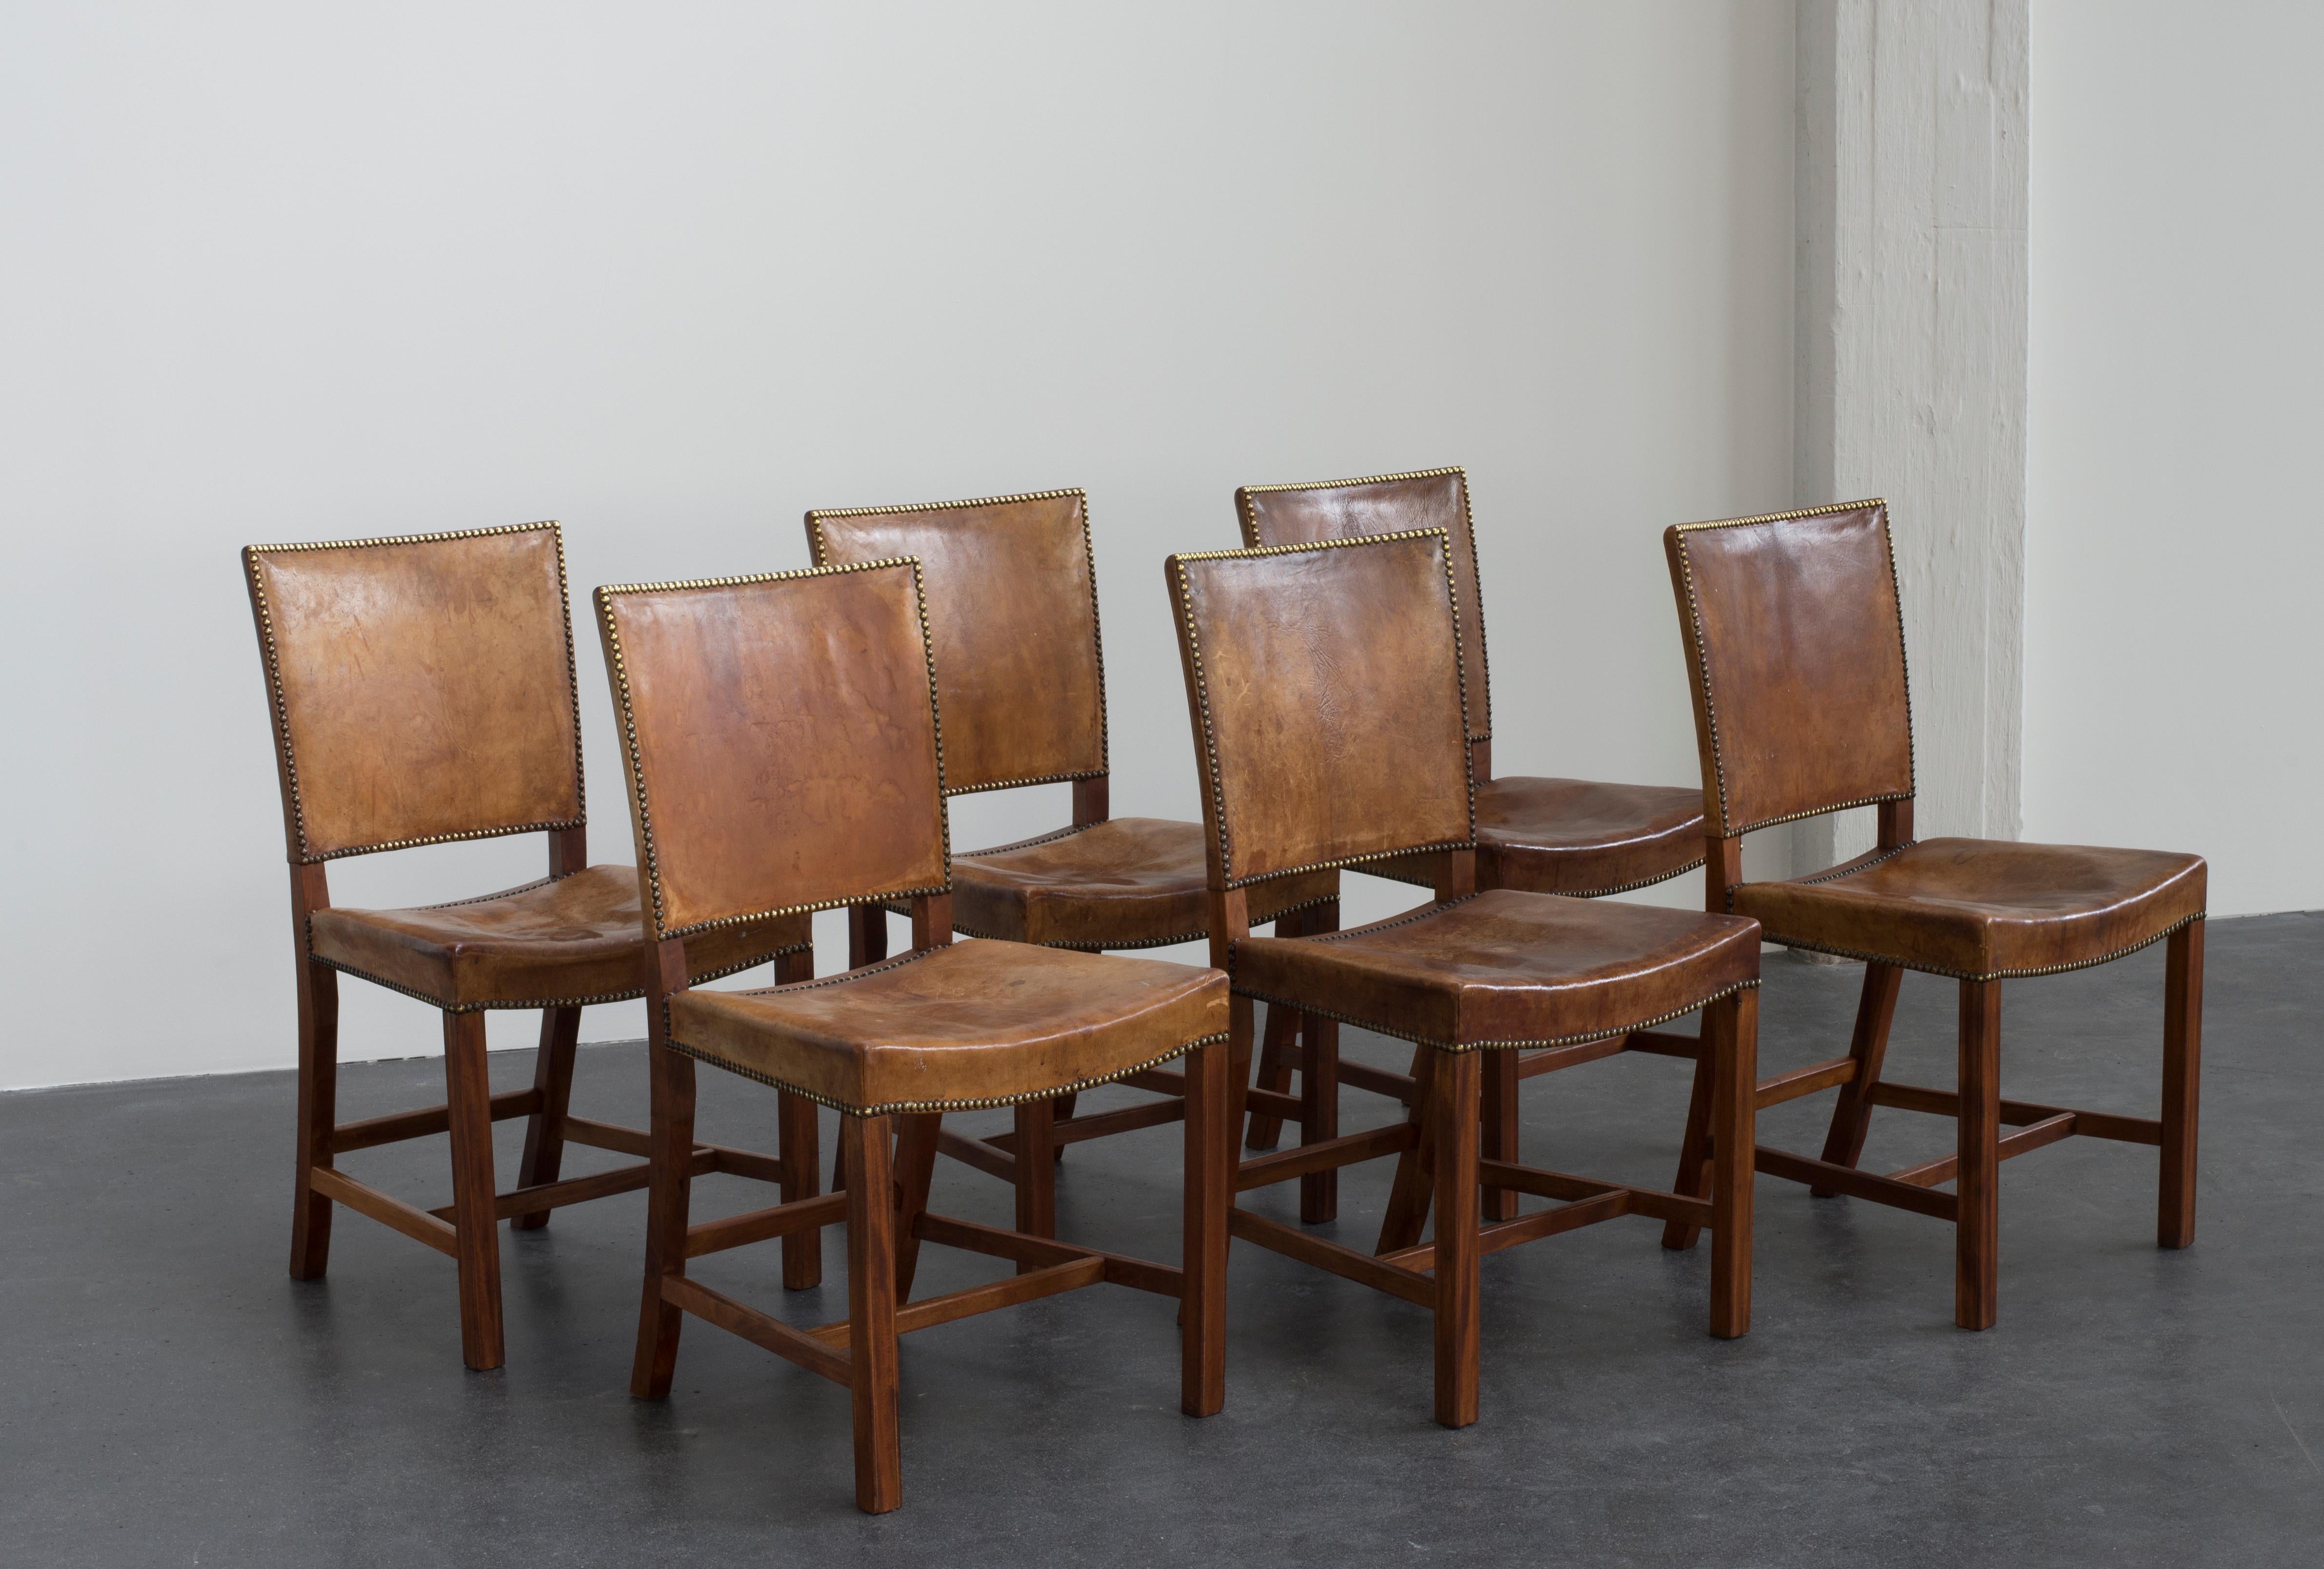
[[1089, 558], [1468, 520], [1702, 660], [913, 1107], [2124, 952], [1203, 694], [280, 703], [1581, 1040], [629, 729]]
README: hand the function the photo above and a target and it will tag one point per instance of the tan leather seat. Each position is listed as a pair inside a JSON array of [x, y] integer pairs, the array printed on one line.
[[561, 942], [956, 1027], [1578, 837], [1130, 882], [1508, 968], [1981, 909]]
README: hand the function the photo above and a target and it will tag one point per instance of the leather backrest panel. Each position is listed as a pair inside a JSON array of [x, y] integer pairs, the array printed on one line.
[[1325, 685], [422, 687], [779, 735], [1013, 607], [1388, 504], [1795, 650]]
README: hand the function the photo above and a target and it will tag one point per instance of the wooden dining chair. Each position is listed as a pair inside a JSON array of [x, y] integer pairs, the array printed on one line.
[[1012, 608], [1329, 709], [1795, 648], [784, 755], [1545, 836], [421, 690]]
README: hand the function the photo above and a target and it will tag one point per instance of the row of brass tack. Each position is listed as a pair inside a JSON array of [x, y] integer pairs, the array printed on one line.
[[790, 740]]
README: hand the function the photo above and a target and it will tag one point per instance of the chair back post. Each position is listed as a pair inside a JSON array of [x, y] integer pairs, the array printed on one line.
[[1895, 823], [931, 920], [665, 975], [1456, 876], [568, 850], [1091, 801], [1722, 866]]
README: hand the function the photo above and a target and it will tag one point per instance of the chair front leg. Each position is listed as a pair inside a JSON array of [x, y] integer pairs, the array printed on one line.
[[318, 1078], [1734, 1031], [468, 1095], [544, 1130], [1037, 1172], [671, 1151], [2183, 1072], [872, 1313], [1210, 1171], [1977, 1243], [1453, 1116]]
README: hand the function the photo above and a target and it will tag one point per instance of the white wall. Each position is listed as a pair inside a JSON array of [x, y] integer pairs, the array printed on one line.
[[673, 274], [2174, 541]]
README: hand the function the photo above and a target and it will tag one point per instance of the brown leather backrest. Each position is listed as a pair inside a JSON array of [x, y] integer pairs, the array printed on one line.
[[1012, 606], [422, 687], [1325, 685], [1386, 504], [779, 735], [1795, 650]]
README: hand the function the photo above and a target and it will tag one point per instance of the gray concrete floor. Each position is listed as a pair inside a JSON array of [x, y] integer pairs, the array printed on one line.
[[171, 1397]]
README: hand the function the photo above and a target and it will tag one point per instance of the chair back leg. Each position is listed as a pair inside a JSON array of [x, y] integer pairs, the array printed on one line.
[[1852, 1117], [915, 1167], [1037, 1172], [671, 1150], [1499, 1099], [1734, 1032], [2182, 1071], [544, 1130], [318, 1079], [1210, 1128], [468, 1096], [872, 1313]]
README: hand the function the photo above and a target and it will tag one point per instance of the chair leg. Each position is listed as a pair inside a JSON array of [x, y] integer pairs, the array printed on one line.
[[1693, 1179], [1210, 1127], [1319, 1108], [671, 1150], [1852, 1117], [318, 1078], [867, 943], [1976, 1245], [916, 1166], [1734, 1029], [2183, 1072], [1498, 1097], [872, 1313], [1275, 1052], [469, 1094], [1409, 1195], [544, 1130], [1037, 1172], [798, 1149], [1454, 1117], [1062, 1108]]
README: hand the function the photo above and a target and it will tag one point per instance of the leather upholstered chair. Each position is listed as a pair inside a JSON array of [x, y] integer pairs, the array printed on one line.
[[1012, 608], [1795, 648], [1547, 836], [421, 690], [781, 740], [1326, 684]]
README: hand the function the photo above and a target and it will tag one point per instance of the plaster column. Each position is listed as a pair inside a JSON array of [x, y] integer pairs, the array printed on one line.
[[1911, 376]]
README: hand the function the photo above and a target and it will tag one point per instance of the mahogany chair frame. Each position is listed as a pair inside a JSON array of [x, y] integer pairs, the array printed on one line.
[[1975, 1104], [1043, 1133], [1446, 1149], [466, 1230], [1282, 1052], [888, 1161]]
